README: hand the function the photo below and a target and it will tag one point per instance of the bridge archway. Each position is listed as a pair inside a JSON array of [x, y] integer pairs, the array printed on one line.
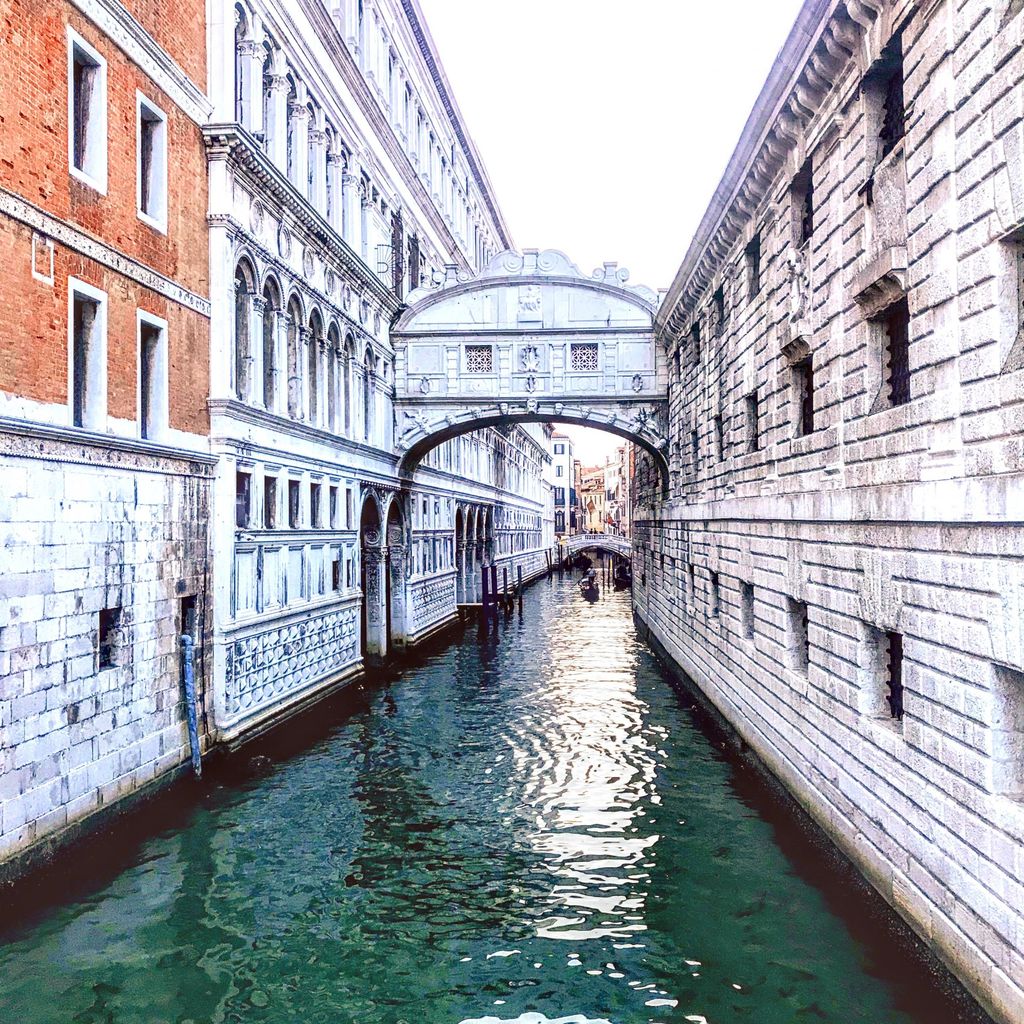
[[530, 339]]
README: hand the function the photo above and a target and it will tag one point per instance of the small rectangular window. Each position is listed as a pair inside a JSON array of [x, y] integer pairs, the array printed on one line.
[[151, 163], [153, 398], [243, 499], [803, 396], [583, 357], [314, 506], [270, 502], [333, 506], [87, 370], [718, 434], [559, 449], [349, 515], [890, 93], [695, 341], [293, 504], [714, 595], [752, 256], [695, 450], [753, 426], [747, 609], [894, 698], [336, 573], [719, 307], [799, 643], [188, 621], [109, 637], [896, 362], [802, 196], [87, 113]]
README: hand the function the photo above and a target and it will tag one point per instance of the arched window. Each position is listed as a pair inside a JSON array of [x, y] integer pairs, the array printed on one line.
[[244, 278], [368, 392], [333, 355], [294, 358], [316, 340], [272, 298]]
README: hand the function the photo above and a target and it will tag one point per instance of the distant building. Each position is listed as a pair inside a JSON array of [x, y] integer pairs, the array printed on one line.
[[564, 484]]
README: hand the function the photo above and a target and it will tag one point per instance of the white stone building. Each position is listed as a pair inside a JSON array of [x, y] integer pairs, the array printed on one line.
[[342, 178], [839, 562], [564, 483]]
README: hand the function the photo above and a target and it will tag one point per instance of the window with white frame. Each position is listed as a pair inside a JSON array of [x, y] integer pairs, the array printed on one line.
[[153, 389], [87, 113], [87, 355], [151, 162]]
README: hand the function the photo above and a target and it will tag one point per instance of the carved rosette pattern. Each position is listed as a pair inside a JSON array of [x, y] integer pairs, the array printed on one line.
[[267, 666]]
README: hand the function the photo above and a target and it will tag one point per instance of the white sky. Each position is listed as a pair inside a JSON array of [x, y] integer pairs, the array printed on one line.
[[605, 125]]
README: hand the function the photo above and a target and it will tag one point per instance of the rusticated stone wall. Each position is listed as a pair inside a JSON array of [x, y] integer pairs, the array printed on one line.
[[815, 552]]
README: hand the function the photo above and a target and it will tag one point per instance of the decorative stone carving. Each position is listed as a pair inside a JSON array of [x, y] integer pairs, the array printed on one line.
[[530, 302], [799, 287], [256, 215], [265, 666], [284, 242], [530, 357], [531, 383], [308, 265], [329, 281], [424, 385], [638, 383]]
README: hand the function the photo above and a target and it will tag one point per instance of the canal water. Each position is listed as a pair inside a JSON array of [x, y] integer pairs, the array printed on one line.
[[526, 826]]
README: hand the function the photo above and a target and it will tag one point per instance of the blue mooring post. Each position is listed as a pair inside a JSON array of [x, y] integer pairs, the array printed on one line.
[[188, 656]]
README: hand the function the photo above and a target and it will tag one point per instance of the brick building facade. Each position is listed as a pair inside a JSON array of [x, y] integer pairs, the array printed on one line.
[[103, 384], [839, 563]]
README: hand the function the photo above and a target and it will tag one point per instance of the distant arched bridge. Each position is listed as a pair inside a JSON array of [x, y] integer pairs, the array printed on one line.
[[603, 541]]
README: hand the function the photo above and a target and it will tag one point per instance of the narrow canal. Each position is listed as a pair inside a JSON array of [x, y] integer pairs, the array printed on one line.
[[525, 827]]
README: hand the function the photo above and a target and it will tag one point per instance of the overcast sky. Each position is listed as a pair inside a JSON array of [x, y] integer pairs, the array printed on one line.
[[605, 125]]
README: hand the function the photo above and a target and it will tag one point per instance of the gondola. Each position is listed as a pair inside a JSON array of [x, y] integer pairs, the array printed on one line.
[[588, 586]]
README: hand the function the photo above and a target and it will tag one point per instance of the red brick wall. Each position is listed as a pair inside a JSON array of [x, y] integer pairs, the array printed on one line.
[[180, 28], [34, 164], [34, 333], [34, 142]]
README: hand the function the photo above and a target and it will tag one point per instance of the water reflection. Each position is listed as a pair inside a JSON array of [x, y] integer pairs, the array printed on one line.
[[526, 828]]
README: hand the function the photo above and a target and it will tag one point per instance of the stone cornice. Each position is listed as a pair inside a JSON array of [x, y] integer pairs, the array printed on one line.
[[231, 408], [74, 238], [824, 40], [31, 440], [113, 19], [232, 142], [383, 131]]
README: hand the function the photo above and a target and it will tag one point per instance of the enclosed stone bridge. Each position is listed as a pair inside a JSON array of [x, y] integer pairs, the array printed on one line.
[[530, 339], [600, 541]]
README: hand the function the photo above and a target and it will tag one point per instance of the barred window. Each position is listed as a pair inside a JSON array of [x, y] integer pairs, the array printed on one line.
[[584, 357], [479, 359]]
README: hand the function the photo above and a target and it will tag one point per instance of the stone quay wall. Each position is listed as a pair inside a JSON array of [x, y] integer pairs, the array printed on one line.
[[103, 564], [838, 563]]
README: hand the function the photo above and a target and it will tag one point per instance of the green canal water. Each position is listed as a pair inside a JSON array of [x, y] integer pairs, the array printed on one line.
[[526, 826]]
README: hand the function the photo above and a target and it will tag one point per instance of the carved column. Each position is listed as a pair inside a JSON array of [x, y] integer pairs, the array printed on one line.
[[460, 589], [298, 122], [318, 169], [250, 88], [276, 129], [296, 360], [323, 382], [335, 208], [351, 199], [258, 311], [280, 378]]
